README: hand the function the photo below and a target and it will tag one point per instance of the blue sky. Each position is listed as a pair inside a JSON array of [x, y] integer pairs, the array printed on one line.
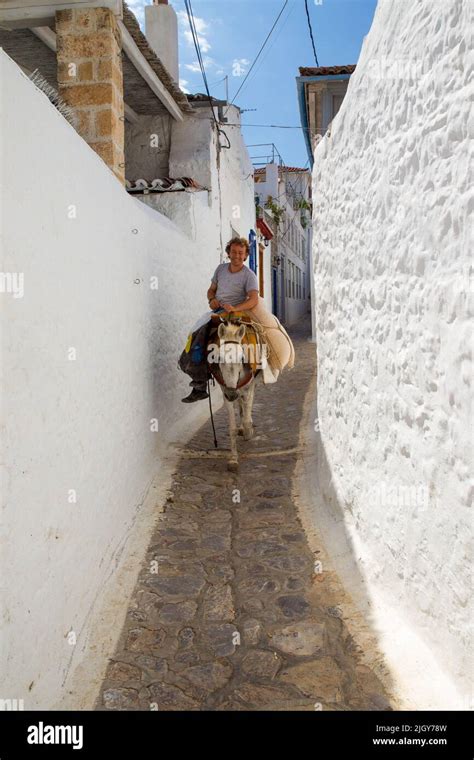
[[231, 33]]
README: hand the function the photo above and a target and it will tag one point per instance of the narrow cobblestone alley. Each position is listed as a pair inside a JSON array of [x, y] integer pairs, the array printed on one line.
[[228, 612]]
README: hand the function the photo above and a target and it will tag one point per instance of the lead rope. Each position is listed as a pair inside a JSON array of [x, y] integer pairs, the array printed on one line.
[[210, 409]]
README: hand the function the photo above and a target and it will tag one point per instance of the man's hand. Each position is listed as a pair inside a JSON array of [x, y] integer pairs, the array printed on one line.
[[214, 303], [227, 306], [252, 300]]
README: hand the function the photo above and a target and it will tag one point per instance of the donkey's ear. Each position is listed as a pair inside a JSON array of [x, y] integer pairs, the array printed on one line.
[[221, 330], [241, 332]]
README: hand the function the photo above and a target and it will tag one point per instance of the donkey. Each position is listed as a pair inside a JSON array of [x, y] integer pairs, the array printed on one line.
[[237, 380]]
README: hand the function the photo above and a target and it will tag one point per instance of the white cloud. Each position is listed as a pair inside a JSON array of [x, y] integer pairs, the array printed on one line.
[[182, 84], [201, 29], [194, 66], [137, 7]]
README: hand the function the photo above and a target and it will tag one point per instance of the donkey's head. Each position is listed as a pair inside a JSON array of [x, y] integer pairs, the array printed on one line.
[[231, 355]]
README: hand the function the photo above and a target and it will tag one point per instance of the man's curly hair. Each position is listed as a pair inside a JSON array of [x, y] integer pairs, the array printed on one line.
[[238, 241]]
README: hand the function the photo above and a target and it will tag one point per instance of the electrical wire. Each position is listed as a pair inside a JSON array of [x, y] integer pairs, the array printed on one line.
[[220, 131], [197, 47], [258, 54], [311, 32], [275, 38], [276, 126]]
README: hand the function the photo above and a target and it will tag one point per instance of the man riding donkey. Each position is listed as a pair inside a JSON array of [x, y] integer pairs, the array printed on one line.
[[233, 289]]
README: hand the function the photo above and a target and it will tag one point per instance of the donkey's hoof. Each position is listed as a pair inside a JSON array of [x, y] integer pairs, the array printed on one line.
[[233, 466], [240, 431], [248, 434]]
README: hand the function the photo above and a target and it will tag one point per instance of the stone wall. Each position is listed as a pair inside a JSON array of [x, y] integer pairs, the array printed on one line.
[[392, 251], [90, 79]]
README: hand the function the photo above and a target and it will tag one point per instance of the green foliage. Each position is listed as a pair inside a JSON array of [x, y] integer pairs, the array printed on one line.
[[278, 212]]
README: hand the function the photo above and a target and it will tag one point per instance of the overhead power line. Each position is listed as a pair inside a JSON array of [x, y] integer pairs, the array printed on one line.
[[272, 43], [275, 126], [258, 54], [197, 47], [311, 32]]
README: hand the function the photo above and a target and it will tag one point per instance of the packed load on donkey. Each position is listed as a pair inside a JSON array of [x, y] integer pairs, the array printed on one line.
[[233, 296]]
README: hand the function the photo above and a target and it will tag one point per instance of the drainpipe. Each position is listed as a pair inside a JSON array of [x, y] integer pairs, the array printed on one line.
[[161, 31]]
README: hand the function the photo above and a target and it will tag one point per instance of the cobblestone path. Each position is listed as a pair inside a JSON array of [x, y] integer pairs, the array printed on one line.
[[228, 613]]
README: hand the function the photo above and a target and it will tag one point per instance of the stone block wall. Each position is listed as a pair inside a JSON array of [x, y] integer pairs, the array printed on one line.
[[90, 79]]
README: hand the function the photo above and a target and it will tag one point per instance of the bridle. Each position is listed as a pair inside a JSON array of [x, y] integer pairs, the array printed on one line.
[[217, 374]]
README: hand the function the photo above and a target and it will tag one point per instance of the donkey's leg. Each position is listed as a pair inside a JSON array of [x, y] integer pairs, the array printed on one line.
[[247, 423], [233, 463], [240, 429]]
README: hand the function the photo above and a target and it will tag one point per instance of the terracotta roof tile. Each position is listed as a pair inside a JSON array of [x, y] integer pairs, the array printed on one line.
[[201, 96], [284, 169], [320, 71], [163, 185]]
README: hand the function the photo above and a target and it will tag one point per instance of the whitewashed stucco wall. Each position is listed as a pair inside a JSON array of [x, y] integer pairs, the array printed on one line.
[[236, 180], [81, 426], [392, 249], [229, 198]]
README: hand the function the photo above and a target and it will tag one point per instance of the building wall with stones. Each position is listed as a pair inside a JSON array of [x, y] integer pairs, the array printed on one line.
[[392, 253], [90, 79], [91, 393]]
